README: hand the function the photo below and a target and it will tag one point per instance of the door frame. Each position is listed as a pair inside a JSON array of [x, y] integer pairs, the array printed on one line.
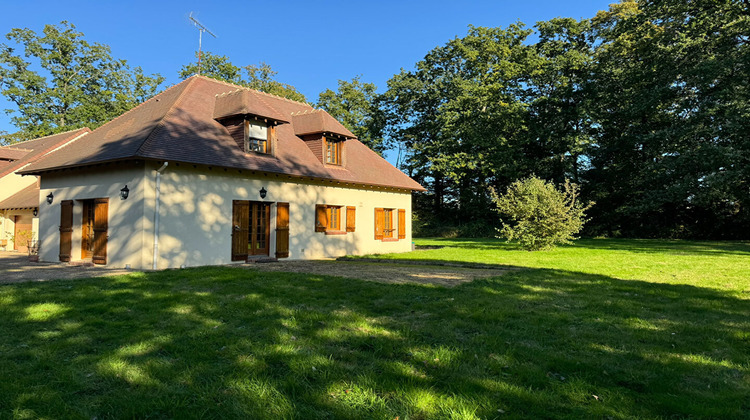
[[244, 229]]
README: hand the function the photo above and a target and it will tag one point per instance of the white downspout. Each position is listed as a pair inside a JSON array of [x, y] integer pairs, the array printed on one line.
[[156, 214]]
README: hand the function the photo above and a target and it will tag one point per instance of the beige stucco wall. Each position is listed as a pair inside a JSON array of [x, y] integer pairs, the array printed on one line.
[[125, 234], [196, 225], [196, 212]]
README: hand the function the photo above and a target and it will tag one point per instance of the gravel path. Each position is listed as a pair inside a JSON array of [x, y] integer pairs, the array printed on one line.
[[15, 268]]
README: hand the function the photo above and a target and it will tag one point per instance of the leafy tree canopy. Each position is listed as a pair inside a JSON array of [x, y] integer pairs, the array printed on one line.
[[259, 77], [354, 104], [58, 81]]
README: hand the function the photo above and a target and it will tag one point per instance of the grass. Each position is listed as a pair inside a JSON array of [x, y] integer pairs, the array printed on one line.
[[603, 329]]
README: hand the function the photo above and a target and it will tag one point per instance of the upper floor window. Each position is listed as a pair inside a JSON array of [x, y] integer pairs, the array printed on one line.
[[257, 136], [332, 151]]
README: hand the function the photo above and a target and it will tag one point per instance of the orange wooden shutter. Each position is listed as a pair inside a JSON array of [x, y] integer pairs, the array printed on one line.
[[401, 224], [350, 218], [321, 218], [240, 229], [379, 222], [101, 225], [66, 229], [282, 230]]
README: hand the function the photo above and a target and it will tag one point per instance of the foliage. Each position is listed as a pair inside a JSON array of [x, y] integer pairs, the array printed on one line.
[[538, 215], [231, 342], [69, 83], [354, 104], [646, 105], [259, 77], [214, 66], [461, 118]]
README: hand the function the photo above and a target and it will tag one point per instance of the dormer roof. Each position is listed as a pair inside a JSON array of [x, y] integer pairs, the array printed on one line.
[[246, 102], [318, 121]]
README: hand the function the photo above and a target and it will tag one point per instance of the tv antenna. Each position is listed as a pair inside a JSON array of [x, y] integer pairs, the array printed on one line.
[[201, 29]]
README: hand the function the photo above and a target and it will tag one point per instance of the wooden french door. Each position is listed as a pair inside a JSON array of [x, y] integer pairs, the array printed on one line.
[[251, 229], [94, 227]]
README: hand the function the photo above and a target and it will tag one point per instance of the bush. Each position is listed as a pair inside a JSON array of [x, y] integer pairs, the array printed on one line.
[[539, 215]]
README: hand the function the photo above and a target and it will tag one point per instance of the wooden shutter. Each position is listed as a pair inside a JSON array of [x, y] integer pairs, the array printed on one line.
[[379, 222], [350, 218], [282, 230], [321, 218], [66, 229], [401, 224], [101, 225], [240, 229]]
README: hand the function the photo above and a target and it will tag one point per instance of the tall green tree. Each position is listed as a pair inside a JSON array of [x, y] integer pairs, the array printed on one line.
[[58, 81], [672, 118], [355, 105], [214, 66], [259, 77], [462, 115]]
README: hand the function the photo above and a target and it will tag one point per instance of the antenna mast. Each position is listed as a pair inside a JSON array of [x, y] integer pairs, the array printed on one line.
[[201, 29]]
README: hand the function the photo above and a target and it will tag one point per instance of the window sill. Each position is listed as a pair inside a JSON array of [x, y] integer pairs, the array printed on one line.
[[335, 232], [390, 239]]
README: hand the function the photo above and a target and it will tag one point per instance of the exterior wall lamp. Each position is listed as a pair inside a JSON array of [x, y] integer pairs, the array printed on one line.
[[263, 192], [50, 197], [124, 193], [36, 212]]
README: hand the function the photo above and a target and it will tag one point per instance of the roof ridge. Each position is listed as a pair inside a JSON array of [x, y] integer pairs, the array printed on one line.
[[280, 97], [167, 114], [26, 161], [248, 88], [141, 104], [14, 145]]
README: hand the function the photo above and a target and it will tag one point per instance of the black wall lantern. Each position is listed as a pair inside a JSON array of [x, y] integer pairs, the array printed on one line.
[[36, 212], [124, 193], [50, 197], [263, 192]]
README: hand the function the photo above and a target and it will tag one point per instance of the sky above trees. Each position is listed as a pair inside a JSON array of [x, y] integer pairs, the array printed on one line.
[[312, 45]]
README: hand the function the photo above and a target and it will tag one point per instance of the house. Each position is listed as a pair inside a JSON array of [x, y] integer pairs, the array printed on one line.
[[19, 195], [208, 172]]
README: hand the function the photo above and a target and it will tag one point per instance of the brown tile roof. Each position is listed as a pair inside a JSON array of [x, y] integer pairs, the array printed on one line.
[[245, 101], [37, 148], [11, 153], [27, 198], [178, 125], [318, 121]]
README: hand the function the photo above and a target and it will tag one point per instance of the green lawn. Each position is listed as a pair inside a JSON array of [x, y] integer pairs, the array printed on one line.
[[603, 329]]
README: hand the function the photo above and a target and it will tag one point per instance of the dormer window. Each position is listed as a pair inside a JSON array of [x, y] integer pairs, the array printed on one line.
[[332, 151], [259, 136]]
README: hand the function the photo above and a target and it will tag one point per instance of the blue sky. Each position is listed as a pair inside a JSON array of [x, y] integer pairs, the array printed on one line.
[[311, 44]]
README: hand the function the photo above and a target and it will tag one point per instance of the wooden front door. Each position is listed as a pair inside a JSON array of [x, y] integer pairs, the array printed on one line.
[[251, 222], [87, 230], [94, 227]]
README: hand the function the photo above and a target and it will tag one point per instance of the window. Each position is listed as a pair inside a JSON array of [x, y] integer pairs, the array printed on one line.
[[388, 223], [328, 219], [387, 227], [334, 217], [257, 135], [333, 151]]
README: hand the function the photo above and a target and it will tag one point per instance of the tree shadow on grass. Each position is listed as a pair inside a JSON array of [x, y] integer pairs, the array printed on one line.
[[226, 342]]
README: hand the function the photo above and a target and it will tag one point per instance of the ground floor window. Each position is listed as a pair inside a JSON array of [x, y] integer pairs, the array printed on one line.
[[390, 224]]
